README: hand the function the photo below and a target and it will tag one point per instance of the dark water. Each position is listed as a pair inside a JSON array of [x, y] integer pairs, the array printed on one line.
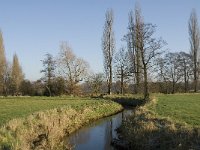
[[98, 135]]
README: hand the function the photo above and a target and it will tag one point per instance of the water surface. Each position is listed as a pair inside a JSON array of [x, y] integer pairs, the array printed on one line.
[[99, 134]]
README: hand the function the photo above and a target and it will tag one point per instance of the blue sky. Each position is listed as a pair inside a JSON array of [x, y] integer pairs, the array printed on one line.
[[31, 28]]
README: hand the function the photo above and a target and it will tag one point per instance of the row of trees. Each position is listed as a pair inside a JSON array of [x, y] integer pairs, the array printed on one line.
[[144, 61], [68, 68], [173, 68], [143, 48], [141, 64], [11, 75], [61, 75]]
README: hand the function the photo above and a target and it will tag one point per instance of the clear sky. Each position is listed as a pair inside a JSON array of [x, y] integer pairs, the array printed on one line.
[[31, 28]]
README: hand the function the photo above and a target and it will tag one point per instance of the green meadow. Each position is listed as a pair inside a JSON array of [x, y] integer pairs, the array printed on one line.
[[179, 107], [17, 107]]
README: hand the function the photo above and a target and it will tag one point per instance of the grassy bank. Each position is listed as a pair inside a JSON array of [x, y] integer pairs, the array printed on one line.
[[17, 107], [43, 123], [161, 124]]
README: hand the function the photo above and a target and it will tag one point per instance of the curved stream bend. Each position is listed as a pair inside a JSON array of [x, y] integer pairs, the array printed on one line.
[[98, 135]]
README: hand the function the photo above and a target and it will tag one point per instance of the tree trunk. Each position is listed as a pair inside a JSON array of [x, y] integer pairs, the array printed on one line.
[[137, 71], [146, 90], [185, 77], [195, 76], [49, 90], [109, 91], [122, 81], [110, 66], [110, 80], [173, 87], [186, 85], [110, 77]]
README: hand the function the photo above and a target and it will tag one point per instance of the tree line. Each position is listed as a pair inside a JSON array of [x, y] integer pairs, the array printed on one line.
[[11, 74], [141, 65]]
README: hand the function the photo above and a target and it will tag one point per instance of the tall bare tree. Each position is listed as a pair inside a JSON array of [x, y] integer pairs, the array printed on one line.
[[135, 20], [138, 29], [16, 75], [108, 46], [194, 37], [71, 68], [49, 65], [2, 64], [147, 47]]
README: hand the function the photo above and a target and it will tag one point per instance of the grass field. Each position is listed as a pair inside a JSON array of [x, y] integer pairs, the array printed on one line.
[[152, 130], [43, 123], [17, 107], [179, 107]]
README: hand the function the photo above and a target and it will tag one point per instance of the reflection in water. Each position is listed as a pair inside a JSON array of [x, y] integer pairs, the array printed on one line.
[[98, 135]]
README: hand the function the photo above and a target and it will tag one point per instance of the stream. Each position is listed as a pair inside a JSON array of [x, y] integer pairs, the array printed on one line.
[[99, 134]]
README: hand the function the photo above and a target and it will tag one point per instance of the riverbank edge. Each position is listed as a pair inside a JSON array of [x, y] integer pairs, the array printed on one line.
[[47, 129], [144, 129]]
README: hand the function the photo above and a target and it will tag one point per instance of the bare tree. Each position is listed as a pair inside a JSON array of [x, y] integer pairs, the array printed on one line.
[[16, 75], [71, 68], [122, 65], [108, 46], [49, 65], [138, 44], [194, 37], [132, 42], [173, 69], [130, 38], [186, 66], [148, 47], [160, 69], [95, 82], [2, 64]]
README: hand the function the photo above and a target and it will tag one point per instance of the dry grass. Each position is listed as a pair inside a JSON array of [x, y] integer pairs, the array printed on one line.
[[145, 130], [47, 129]]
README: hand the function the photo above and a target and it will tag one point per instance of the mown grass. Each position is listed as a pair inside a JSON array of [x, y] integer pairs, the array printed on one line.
[[42, 123], [179, 107], [16, 107]]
